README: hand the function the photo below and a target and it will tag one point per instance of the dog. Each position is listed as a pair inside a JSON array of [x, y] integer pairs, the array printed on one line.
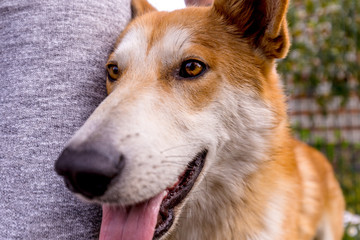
[[193, 140]]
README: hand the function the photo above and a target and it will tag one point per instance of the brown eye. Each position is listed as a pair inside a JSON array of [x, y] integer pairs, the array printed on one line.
[[113, 72], [192, 68]]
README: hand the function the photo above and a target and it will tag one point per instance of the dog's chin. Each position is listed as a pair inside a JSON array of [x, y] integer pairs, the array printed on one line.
[[153, 218]]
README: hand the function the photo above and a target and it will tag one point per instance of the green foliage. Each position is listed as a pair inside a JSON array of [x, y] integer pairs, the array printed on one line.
[[324, 60]]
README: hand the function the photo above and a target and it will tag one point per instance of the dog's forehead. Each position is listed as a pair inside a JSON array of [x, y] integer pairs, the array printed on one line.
[[149, 41]]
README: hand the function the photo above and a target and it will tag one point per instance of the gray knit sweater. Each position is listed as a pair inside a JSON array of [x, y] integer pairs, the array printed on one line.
[[52, 57]]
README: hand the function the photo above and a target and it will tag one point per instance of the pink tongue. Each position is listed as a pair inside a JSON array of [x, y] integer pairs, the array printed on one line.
[[133, 223]]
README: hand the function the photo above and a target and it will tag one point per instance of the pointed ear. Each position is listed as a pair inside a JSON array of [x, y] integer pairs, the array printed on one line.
[[140, 7], [262, 21]]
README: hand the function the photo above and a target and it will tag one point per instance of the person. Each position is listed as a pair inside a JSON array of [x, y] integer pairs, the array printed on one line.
[[52, 58]]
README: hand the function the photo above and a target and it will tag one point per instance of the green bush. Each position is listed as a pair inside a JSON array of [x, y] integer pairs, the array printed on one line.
[[323, 61]]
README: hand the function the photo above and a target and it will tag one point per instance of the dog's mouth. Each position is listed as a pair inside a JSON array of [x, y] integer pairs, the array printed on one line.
[[177, 193], [153, 218]]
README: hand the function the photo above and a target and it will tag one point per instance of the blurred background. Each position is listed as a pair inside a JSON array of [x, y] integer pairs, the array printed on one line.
[[321, 76]]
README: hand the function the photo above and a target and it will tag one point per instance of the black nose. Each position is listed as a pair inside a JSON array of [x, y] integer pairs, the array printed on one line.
[[88, 172]]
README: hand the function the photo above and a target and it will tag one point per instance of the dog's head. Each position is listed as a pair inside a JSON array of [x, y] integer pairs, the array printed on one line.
[[188, 91]]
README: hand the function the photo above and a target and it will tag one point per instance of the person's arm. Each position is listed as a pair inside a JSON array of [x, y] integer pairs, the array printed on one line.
[[52, 64]]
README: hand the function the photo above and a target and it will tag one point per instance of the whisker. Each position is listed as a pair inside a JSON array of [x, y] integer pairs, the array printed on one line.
[[177, 147], [177, 156], [170, 163]]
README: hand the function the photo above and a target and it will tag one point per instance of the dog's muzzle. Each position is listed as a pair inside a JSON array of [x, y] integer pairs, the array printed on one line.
[[88, 172]]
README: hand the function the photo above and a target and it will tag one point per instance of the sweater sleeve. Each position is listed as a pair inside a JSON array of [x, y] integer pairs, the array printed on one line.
[[52, 58]]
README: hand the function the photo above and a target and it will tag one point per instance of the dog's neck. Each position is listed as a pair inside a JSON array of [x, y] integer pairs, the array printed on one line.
[[228, 206]]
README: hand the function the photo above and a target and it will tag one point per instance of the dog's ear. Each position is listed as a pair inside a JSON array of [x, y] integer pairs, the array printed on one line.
[[263, 21], [140, 7]]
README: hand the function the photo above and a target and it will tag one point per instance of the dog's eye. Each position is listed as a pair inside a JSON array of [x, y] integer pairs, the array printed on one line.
[[192, 68], [113, 72]]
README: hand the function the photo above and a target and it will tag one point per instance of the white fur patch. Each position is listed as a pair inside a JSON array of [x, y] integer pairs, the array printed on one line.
[[133, 47], [171, 47], [324, 231], [274, 219]]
